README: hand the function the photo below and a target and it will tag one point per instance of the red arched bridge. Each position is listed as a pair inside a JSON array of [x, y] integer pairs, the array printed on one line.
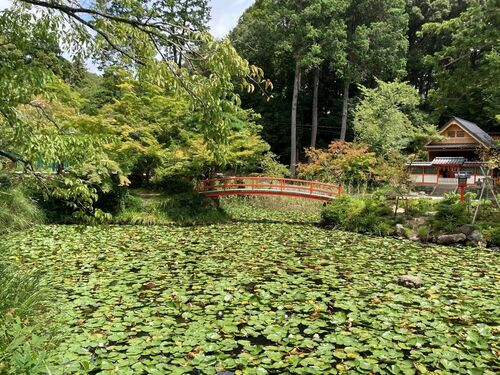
[[219, 187]]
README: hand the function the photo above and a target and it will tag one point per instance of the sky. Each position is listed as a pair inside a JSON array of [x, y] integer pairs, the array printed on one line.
[[225, 15]]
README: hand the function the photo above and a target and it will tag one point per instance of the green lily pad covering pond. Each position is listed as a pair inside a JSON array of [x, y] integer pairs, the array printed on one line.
[[259, 298]]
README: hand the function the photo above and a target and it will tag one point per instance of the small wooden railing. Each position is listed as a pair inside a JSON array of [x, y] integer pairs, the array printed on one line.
[[217, 187]]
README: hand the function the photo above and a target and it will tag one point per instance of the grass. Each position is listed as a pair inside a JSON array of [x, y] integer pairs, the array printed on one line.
[[17, 211], [146, 208], [264, 293], [23, 312]]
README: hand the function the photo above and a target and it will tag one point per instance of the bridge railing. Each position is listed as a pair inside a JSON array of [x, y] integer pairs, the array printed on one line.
[[272, 185]]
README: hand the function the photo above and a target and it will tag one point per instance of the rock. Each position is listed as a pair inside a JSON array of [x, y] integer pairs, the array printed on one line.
[[476, 239], [410, 281], [400, 230], [476, 236], [466, 229], [225, 373], [451, 239]]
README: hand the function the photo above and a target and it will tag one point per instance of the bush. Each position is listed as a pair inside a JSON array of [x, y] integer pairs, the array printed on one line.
[[174, 185], [271, 167], [113, 201], [424, 232], [450, 214], [369, 215], [419, 207], [192, 208], [492, 235]]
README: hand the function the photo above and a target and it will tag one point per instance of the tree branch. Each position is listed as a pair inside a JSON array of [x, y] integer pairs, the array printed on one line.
[[13, 157]]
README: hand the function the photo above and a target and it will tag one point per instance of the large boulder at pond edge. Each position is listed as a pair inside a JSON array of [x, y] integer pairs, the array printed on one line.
[[410, 281], [451, 239], [476, 239]]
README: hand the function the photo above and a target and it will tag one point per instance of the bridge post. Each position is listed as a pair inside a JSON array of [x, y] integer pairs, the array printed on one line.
[[311, 187]]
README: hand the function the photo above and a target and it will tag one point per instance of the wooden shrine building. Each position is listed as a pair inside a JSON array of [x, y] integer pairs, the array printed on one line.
[[460, 150]]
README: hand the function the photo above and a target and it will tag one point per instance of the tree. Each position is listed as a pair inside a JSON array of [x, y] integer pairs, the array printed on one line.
[[376, 45], [388, 119], [162, 138], [346, 163], [299, 32], [42, 120], [138, 33], [420, 71], [467, 66]]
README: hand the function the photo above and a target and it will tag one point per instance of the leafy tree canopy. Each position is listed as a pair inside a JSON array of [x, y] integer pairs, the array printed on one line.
[[387, 118]]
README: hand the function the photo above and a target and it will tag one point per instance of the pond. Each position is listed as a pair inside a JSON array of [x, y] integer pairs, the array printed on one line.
[[257, 297]]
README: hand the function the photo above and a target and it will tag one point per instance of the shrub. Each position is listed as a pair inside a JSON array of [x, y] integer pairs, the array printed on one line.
[[174, 185], [450, 214], [368, 215], [272, 167], [114, 200], [424, 232], [418, 207], [492, 235], [192, 208]]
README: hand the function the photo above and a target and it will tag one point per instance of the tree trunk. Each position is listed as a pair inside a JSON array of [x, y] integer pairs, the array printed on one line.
[[293, 153], [314, 133], [345, 107]]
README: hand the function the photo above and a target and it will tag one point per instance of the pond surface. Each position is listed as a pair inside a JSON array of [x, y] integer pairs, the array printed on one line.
[[261, 297]]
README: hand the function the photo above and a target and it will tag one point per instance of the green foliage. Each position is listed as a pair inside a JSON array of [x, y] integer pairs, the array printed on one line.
[[450, 214], [468, 60], [271, 166], [388, 118], [17, 210], [377, 43], [354, 165], [23, 303], [371, 214], [269, 295], [419, 207], [342, 162], [492, 235], [424, 232], [185, 208]]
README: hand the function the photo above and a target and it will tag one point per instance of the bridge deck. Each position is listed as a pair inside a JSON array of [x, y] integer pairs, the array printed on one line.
[[269, 186]]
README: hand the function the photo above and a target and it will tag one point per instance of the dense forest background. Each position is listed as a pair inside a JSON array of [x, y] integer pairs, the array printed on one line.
[[446, 49]]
